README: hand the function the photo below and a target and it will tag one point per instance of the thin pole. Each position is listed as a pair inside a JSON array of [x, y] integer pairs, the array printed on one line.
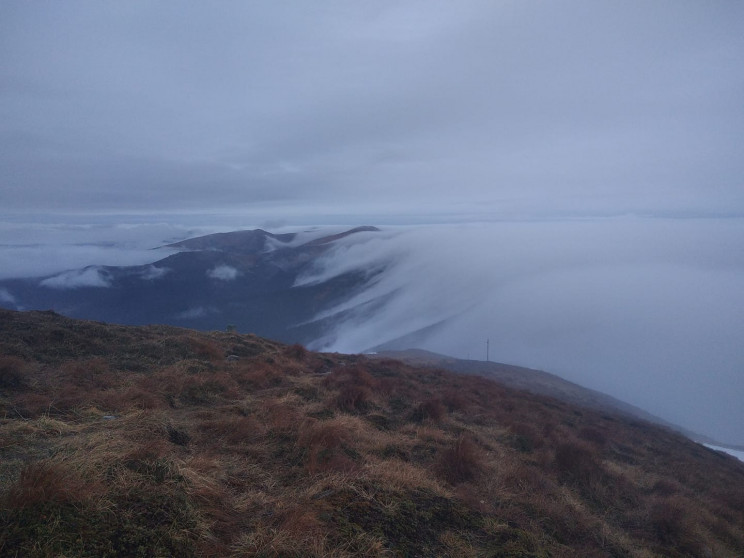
[[488, 342]]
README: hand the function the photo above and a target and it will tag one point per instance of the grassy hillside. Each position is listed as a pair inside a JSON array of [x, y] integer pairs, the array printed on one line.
[[158, 441]]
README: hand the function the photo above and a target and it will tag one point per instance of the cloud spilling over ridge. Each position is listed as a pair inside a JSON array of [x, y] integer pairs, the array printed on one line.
[[196, 312], [7, 298], [88, 277], [43, 249], [153, 272], [651, 311], [223, 273]]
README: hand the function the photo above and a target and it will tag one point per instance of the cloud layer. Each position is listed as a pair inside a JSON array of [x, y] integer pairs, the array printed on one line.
[[651, 311], [223, 273], [390, 108], [88, 277]]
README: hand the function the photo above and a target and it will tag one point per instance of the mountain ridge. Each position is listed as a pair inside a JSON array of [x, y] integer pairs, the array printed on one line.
[[243, 279], [542, 383]]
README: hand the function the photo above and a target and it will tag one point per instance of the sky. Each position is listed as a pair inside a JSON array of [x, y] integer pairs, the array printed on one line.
[[454, 110], [574, 168]]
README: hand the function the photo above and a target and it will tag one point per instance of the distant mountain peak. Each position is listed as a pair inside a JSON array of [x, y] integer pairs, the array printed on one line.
[[250, 241], [255, 240]]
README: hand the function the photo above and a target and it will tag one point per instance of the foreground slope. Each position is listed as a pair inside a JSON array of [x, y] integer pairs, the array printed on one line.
[[534, 381], [159, 441]]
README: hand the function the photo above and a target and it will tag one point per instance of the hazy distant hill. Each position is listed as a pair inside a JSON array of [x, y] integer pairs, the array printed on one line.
[[245, 279], [163, 441]]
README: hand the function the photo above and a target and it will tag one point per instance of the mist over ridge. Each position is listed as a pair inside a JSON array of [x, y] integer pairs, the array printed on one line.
[[650, 311]]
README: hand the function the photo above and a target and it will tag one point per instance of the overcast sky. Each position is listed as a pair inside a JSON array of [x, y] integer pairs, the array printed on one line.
[[126, 125], [453, 110]]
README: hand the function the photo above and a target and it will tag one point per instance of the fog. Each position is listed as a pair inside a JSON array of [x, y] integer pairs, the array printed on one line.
[[47, 248], [126, 126], [650, 311]]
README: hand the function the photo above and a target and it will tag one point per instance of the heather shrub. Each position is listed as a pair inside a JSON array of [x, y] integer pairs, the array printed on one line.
[[32, 404], [297, 352], [673, 525], [593, 435], [280, 417], [13, 373], [178, 436], [432, 409], [257, 375], [576, 463], [325, 448], [462, 462], [353, 398], [133, 397], [43, 483], [525, 437], [231, 429], [206, 349], [349, 375], [454, 400], [665, 487]]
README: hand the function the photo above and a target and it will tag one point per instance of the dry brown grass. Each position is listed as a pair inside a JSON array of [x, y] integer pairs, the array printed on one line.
[[462, 462], [288, 453]]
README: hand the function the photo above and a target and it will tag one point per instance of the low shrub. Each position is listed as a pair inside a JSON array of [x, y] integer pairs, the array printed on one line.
[[576, 463], [525, 437], [353, 398], [13, 373], [454, 400], [206, 349], [297, 352], [462, 462], [43, 483], [673, 525], [325, 447], [593, 435], [432, 409]]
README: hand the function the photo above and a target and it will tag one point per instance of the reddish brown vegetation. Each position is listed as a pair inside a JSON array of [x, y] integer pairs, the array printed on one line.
[[12, 373], [45, 482], [162, 446], [461, 462]]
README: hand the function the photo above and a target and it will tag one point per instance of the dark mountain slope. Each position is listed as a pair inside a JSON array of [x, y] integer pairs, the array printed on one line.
[[162, 441], [244, 279]]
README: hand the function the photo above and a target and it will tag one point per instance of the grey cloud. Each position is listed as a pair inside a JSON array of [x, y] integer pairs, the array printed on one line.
[[7, 298], [223, 273], [88, 277], [154, 272], [518, 108], [649, 311], [43, 249], [241, 114], [196, 312]]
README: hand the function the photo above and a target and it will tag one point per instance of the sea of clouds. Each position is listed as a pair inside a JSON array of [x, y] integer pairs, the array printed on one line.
[[648, 310]]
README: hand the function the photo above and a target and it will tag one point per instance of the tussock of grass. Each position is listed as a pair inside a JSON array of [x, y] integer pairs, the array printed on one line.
[[119, 441]]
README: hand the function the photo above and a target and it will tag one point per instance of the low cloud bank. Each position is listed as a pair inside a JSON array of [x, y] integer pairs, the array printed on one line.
[[40, 250], [196, 312], [153, 272], [7, 298], [651, 311], [223, 273], [88, 277]]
